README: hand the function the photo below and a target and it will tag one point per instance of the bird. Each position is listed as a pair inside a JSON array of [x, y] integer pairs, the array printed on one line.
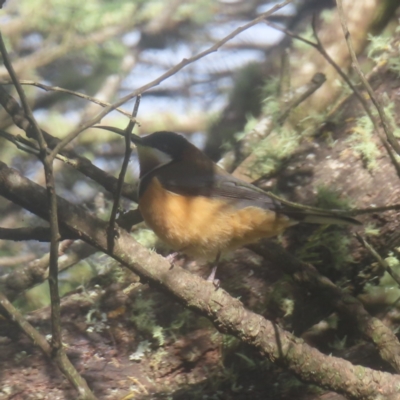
[[199, 209]]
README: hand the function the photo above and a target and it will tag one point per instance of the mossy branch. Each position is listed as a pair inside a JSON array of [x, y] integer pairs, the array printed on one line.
[[227, 313]]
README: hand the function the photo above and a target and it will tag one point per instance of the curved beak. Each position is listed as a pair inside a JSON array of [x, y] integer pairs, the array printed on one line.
[[134, 138]]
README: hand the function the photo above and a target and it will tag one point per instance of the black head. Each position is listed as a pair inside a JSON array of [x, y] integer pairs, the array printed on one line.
[[159, 149], [169, 143]]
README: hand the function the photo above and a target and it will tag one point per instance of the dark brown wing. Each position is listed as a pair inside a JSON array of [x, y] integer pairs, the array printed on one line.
[[216, 183]]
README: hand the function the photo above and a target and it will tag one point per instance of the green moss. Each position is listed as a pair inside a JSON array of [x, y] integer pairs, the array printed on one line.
[[378, 47], [144, 318], [326, 243], [270, 94], [271, 152], [371, 230], [390, 112], [281, 297], [331, 200], [362, 141]]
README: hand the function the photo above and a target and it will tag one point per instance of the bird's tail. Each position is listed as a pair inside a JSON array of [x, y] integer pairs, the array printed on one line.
[[320, 217]]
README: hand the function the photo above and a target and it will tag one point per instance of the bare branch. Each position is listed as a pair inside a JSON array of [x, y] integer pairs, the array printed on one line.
[[385, 123], [321, 49], [82, 164], [65, 365], [56, 342], [67, 91], [124, 167], [378, 258], [36, 271], [227, 313], [186, 61]]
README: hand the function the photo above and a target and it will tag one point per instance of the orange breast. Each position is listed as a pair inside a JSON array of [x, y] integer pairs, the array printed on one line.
[[203, 227]]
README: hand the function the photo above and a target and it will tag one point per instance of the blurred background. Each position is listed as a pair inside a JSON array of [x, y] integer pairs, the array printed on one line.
[[230, 104]]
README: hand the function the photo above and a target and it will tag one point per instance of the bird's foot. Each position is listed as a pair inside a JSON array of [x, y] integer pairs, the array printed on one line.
[[211, 278], [171, 258]]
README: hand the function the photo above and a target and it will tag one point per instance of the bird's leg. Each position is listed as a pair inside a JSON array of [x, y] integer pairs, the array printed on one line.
[[171, 258], [211, 278]]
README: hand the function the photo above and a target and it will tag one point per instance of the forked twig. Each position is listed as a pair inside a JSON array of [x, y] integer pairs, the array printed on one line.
[[121, 177], [56, 342], [172, 71]]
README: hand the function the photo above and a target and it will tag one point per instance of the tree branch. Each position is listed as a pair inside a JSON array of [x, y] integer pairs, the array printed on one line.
[[81, 164], [67, 91], [385, 123], [227, 313], [186, 61], [124, 167], [65, 365], [307, 276], [51, 200], [36, 272]]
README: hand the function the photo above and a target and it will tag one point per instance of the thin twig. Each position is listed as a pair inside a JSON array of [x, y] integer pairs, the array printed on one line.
[[378, 258], [121, 177], [358, 94], [71, 92], [41, 341], [228, 314], [32, 148], [316, 82], [80, 163], [385, 123], [350, 212], [25, 326], [48, 168], [186, 61], [56, 342], [37, 271], [321, 49]]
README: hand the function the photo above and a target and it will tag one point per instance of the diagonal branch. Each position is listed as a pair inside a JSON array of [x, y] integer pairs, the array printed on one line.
[[51, 200], [59, 89], [186, 61], [124, 167], [227, 313], [81, 164], [385, 123], [65, 366]]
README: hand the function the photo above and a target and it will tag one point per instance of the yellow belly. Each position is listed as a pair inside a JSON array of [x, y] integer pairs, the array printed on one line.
[[203, 227]]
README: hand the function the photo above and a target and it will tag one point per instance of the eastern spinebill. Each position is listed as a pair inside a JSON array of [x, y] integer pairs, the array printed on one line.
[[197, 208]]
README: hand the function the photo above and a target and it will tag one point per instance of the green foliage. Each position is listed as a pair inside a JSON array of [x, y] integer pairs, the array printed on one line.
[[390, 112], [145, 237], [371, 230], [330, 199], [271, 152], [328, 15], [270, 95], [74, 16], [308, 34], [387, 291], [331, 242], [328, 240], [198, 11], [378, 47], [363, 143], [281, 298], [144, 318], [384, 49]]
